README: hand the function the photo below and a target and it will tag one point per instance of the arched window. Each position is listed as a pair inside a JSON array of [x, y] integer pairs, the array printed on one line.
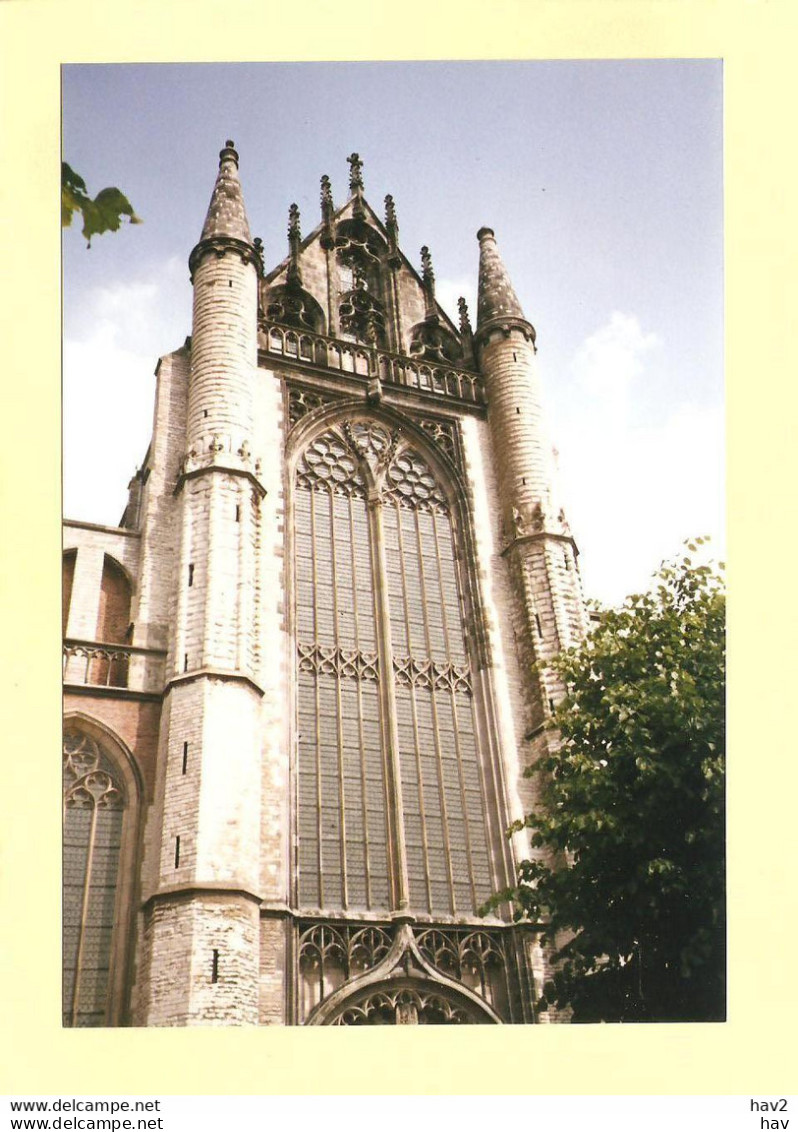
[[67, 577], [113, 620], [95, 804], [113, 626], [385, 697]]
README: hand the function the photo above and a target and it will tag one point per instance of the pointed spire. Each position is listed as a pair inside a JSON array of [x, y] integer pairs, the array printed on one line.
[[428, 279], [497, 302], [392, 229], [391, 226], [355, 174], [226, 213], [327, 206], [294, 277], [465, 321], [327, 213], [356, 184], [466, 332]]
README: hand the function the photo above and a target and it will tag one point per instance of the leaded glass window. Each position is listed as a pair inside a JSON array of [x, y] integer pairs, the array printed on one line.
[[384, 684], [94, 805]]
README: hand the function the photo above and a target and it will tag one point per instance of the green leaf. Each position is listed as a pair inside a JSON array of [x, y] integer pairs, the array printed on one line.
[[630, 822], [103, 214]]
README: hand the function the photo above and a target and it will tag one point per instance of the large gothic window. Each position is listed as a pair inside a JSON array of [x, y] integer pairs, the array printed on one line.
[[385, 699], [94, 810]]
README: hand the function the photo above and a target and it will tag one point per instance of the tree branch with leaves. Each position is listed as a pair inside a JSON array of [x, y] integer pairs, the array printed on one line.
[[630, 825], [102, 214]]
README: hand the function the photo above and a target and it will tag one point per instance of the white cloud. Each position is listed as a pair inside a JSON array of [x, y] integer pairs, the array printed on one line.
[[635, 496], [109, 360], [634, 493], [610, 359]]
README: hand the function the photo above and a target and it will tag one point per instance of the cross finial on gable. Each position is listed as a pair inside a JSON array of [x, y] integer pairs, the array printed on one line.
[[355, 173]]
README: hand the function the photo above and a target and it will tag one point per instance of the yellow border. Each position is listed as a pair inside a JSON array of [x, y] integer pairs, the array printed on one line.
[[753, 1052]]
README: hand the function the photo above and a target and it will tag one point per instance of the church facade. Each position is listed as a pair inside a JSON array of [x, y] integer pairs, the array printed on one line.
[[304, 675]]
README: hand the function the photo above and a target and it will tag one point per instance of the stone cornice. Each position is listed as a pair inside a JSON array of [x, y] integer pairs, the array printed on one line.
[[539, 536], [105, 692], [212, 674], [505, 326], [220, 246], [229, 469], [83, 526], [212, 889]]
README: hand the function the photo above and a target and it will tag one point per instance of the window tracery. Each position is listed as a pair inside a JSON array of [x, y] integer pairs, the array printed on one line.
[[327, 464], [94, 805], [403, 1007], [475, 958], [301, 402], [413, 484], [329, 956], [291, 305], [443, 435], [334, 955], [361, 316], [353, 566], [430, 339], [361, 311]]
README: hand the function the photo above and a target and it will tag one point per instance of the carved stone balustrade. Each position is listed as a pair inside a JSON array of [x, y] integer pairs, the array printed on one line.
[[100, 665], [357, 360]]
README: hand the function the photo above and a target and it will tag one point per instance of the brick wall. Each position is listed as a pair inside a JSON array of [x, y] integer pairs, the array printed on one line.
[[91, 544]]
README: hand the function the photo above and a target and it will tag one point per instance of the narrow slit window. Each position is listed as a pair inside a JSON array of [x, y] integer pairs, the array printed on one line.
[[191, 573], [215, 966], [185, 758], [177, 851]]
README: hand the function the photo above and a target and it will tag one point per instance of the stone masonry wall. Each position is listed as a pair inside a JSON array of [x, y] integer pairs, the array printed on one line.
[[274, 970], [224, 353], [154, 611], [183, 983], [501, 614], [273, 645]]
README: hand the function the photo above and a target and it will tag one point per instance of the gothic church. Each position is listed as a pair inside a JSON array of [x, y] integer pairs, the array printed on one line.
[[302, 676]]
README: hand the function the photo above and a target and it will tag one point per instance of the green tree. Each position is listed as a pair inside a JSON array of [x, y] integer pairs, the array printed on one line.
[[631, 819], [102, 214]]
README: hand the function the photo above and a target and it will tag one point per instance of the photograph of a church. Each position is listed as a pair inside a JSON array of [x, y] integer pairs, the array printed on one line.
[[300, 676]]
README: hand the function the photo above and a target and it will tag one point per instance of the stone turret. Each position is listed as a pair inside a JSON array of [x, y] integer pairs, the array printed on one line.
[[201, 933], [537, 545], [224, 270]]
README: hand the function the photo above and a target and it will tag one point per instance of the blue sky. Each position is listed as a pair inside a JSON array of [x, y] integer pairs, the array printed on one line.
[[602, 180]]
